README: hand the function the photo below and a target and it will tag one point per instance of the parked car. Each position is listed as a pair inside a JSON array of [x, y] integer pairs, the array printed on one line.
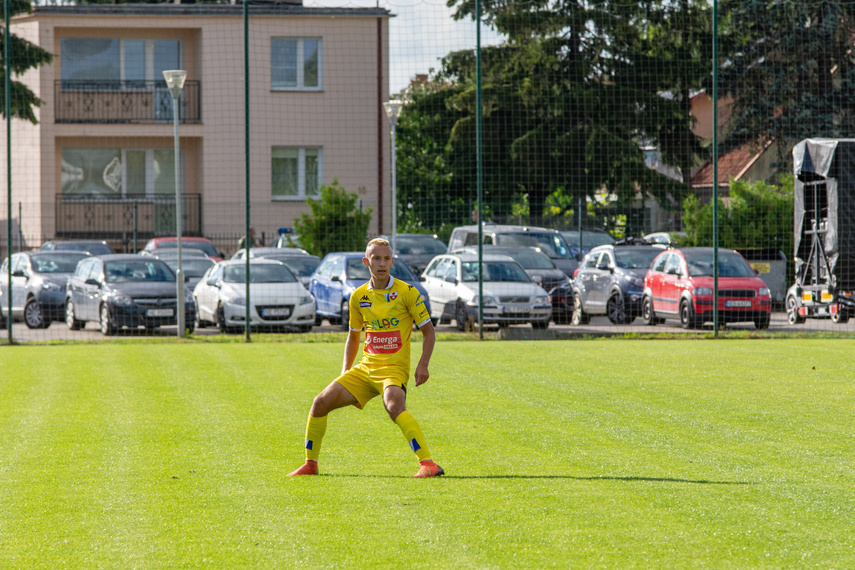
[[38, 286], [267, 251], [550, 241], [156, 245], [510, 296], [589, 239], [542, 271], [92, 247], [339, 274], [277, 298], [610, 281], [125, 290], [417, 249], [665, 239], [286, 238], [195, 266], [679, 285]]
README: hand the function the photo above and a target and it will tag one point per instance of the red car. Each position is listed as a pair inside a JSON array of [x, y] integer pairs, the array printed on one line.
[[679, 285], [158, 245]]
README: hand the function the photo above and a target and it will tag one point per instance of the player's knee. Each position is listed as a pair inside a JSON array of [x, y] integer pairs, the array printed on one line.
[[320, 406]]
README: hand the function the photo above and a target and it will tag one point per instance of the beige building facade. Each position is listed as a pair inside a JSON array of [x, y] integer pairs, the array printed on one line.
[[100, 162]]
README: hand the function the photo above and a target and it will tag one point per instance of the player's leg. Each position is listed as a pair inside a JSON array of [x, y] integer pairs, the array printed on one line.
[[333, 397], [395, 401]]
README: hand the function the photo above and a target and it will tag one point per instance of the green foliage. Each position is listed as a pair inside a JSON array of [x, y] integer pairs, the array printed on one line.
[[757, 215], [336, 222], [24, 55], [680, 453]]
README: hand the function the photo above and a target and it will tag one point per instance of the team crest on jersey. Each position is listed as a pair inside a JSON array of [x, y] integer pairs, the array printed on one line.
[[391, 296]]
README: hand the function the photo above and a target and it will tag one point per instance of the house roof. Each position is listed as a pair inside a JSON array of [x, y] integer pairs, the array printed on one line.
[[733, 164], [255, 9]]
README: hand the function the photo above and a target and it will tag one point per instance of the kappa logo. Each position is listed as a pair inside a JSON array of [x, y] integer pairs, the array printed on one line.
[[364, 298]]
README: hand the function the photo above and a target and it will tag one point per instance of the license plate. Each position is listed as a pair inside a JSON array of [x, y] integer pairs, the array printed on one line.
[[826, 297], [158, 313], [277, 312], [516, 310], [737, 303]]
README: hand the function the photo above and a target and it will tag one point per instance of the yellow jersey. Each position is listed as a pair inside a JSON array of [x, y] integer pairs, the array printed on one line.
[[387, 315]]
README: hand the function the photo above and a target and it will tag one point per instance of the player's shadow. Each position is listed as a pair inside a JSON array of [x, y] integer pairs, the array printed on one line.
[[567, 477]]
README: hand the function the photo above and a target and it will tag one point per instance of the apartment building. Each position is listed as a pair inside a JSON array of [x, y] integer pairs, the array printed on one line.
[[101, 164]]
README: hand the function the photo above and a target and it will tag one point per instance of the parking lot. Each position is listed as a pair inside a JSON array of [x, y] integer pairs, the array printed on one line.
[[598, 326]]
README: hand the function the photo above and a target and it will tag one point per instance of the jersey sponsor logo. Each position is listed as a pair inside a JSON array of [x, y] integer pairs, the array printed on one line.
[[364, 301], [379, 324], [383, 343], [364, 304]]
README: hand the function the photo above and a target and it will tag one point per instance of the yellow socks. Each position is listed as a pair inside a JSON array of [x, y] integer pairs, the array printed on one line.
[[315, 429], [414, 435]]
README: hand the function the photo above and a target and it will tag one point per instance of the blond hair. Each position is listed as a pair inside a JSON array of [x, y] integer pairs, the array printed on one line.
[[376, 241]]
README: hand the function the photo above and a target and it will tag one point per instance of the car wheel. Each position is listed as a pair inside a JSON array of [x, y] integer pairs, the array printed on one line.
[[762, 322], [319, 320], [197, 320], [345, 315], [70, 319], [793, 316], [107, 326], [687, 315], [221, 320], [616, 310], [191, 326], [34, 317], [840, 318], [580, 317], [647, 314], [461, 316]]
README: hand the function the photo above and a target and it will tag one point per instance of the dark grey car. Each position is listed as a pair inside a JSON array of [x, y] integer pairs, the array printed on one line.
[[125, 290], [38, 285], [610, 282]]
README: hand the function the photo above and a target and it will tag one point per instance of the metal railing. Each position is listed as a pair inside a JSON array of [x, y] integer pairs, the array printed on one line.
[[84, 101]]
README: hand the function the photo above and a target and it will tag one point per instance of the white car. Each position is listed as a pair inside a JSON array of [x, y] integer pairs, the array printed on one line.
[[510, 296], [277, 297]]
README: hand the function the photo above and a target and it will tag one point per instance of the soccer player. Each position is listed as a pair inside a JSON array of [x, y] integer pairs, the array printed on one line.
[[387, 309]]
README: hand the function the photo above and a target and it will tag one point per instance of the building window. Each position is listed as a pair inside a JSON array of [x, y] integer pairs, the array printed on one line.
[[295, 64], [296, 172], [119, 173], [102, 63]]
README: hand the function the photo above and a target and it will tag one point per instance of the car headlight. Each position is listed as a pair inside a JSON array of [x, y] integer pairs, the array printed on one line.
[[540, 300], [51, 286], [634, 280], [234, 300], [307, 300], [121, 299], [764, 292], [703, 291], [488, 300]]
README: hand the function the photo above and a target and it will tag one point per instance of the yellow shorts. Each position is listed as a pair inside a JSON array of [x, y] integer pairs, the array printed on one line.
[[366, 383]]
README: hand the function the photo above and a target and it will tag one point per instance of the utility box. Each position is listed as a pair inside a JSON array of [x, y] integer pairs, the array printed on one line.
[[771, 265]]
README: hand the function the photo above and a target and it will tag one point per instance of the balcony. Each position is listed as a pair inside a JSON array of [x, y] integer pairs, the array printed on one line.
[[120, 218], [138, 102]]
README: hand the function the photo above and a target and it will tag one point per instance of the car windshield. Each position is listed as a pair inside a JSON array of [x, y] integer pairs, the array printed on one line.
[[193, 267], [303, 265], [635, 258], [730, 264], [204, 246], [495, 271], [356, 271], [95, 248], [529, 258], [552, 244], [416, 245], [133, 270], [56, 263], [591, 239], [259, 273]]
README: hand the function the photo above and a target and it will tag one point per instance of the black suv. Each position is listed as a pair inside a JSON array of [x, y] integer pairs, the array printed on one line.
[[610, 281]]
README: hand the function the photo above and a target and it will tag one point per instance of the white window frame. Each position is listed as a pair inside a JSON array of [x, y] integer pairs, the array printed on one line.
[[300, 67], [301, 172]]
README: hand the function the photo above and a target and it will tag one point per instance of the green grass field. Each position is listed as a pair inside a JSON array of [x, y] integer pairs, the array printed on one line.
[[601, 453]]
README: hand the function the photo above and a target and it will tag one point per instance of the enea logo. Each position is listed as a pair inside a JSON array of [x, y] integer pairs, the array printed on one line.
[[382, 324]]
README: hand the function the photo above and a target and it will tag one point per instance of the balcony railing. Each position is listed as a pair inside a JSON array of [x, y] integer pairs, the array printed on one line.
[[84, 101], [123, 217]]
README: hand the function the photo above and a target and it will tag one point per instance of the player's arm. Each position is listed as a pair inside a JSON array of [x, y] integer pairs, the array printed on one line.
[[351, 349], [428, 342]]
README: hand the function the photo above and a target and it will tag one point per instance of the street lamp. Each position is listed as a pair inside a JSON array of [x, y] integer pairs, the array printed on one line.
[[393, 111], [175, 82]]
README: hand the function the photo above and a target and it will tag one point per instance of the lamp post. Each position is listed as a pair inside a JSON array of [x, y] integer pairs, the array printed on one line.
[[393, 111], [175, 82]]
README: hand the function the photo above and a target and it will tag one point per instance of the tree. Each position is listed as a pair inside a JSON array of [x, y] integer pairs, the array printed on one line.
[[788, 67], [336, 222], [24, 56], [569, 100]]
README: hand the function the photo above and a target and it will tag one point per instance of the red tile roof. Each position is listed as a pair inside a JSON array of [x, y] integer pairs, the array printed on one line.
[[731, 165]]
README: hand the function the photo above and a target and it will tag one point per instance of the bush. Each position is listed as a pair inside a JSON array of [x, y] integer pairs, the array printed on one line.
[[336, 222]]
